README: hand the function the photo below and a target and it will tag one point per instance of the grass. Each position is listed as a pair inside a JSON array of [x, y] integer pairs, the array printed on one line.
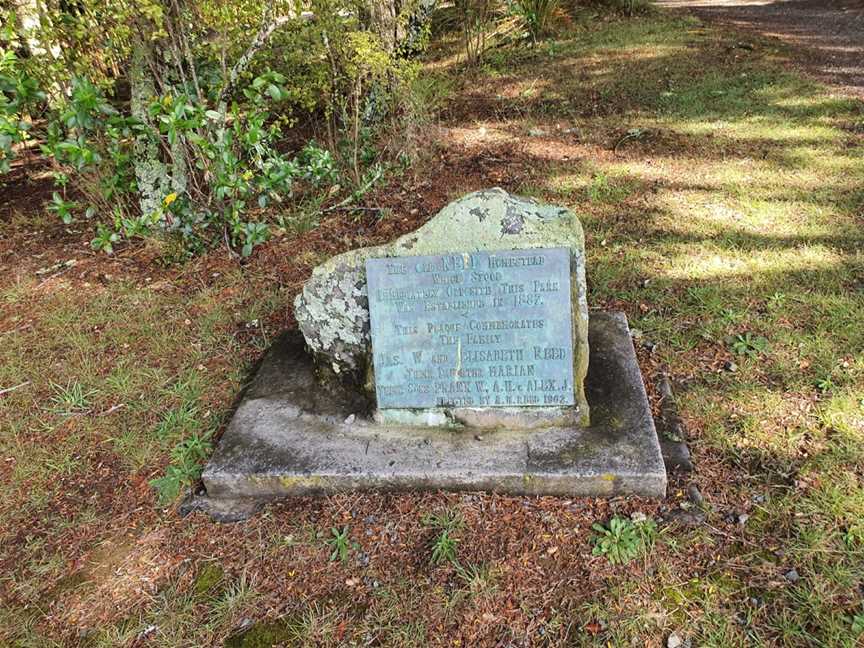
[[730, 231]]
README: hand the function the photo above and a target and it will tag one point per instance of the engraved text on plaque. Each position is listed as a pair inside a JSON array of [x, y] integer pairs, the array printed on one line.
[[473, 329]]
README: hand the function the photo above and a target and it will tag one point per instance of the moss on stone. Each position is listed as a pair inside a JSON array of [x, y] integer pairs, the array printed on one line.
[[208, 579], [263, 635]]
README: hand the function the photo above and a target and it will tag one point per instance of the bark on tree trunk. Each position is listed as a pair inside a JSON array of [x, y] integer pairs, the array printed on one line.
[[151, 172]]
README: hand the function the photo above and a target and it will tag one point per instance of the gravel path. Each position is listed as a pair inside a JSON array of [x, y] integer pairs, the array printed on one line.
[[827, 35]]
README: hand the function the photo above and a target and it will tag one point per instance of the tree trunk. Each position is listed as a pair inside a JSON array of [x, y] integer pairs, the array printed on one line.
[[154, 182]]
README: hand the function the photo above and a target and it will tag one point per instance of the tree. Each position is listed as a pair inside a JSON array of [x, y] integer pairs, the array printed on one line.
[[167, 114]]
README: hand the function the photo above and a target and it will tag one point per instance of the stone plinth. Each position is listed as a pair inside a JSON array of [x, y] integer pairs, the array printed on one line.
[[290, 437]]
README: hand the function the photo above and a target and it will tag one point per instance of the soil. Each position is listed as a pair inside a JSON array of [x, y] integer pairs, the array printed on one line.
[[827, 36]]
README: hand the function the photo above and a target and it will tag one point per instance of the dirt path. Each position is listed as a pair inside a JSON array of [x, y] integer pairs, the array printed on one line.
[[828, 34]]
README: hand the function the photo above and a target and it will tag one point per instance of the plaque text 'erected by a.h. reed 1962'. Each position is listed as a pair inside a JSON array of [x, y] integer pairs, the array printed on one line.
[[472, 329]]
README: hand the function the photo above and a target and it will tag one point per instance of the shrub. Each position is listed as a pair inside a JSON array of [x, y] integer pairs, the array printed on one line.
[[198, 149], [538, 15]]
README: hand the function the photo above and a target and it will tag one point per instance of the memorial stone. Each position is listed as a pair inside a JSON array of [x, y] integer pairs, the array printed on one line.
[[456, 357], [333, 308]]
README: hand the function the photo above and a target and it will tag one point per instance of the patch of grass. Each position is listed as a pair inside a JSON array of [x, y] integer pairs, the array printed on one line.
[[606, 189], [748, 344], [71, 399], [187, 459], [444, 544]]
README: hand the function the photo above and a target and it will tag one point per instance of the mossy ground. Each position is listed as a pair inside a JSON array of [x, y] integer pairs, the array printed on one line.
[[737, 210]]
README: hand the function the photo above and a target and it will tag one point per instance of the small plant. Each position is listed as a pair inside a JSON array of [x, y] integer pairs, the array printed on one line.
[[445, 543], [537, 15], [444, 549], [105, 239], [730, 316], [476, 19], [607, 189], [825, 384], [858, 624], [749, 345], [63, 208], [777, 300], [854, 536], [178, 421], [71, 399], [339, 543], [477, 578], [20, 97], [185, 467], [623, 540]]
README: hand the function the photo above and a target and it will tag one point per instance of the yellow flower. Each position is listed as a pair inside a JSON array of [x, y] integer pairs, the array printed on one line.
[[170, 198]]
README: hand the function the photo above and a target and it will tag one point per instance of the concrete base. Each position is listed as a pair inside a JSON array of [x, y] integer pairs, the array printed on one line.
[[291, 437]]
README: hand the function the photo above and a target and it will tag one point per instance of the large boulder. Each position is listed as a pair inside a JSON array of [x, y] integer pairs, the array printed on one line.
[[333, 309]]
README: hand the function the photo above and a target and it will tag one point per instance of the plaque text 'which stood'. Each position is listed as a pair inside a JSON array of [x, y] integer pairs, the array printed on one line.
[[472, 329]]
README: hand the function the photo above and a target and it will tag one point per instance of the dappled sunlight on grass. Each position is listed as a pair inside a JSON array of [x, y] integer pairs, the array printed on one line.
[[750, 266], [722, 200]]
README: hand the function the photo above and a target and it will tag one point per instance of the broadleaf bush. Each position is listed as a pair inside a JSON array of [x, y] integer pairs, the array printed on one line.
[[180, 125]]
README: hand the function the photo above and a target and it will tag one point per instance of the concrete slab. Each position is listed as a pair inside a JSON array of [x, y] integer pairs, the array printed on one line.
[[289, 437]]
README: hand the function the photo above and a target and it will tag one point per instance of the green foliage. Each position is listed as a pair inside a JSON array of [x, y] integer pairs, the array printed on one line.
[[199, 151], [63, 208], [105, 239], [184, 469], [606, 188], [537, 14], [339, 543], [749, 345], [623, 540], [825, 384], [476, 18], [853, 537], [858, 624], [444, 543], [20, 97], [71, 399]]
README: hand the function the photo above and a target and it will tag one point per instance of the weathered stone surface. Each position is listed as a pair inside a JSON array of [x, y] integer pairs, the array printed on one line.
[[333, 309], [670, 430], [223, 510], [282, 443]]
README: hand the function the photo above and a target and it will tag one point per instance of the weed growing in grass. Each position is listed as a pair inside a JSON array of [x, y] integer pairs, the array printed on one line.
[[623, 540], [444, 544], [339, 543], [71, 399], [749, 345], [444, 549], [854, 536], [185, 467], [825, 384], [479, 579], [776, 301], [608, 188], [858, 623], [178, 421]]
